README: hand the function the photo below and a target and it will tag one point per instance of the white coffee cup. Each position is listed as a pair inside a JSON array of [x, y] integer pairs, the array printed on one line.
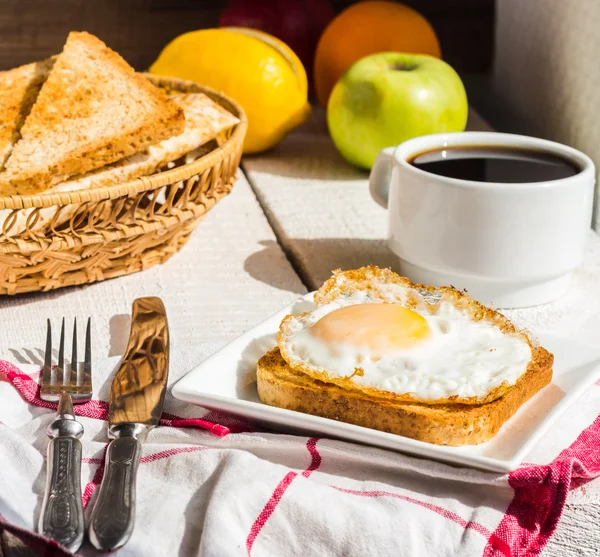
[[507, 244]]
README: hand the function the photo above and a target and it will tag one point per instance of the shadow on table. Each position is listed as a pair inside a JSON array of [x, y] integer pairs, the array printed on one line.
[[28, 356], [314, 260]]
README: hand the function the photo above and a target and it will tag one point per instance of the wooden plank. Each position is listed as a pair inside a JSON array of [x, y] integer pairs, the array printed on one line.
[[138, 29]]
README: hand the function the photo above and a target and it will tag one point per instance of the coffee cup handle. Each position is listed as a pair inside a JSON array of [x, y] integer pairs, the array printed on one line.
[[381, 174]]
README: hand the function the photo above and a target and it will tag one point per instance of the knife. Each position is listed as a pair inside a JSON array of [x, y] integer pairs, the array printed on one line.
[[136, 400]]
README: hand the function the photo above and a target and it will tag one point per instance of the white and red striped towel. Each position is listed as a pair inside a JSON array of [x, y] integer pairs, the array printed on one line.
[[214, 493]]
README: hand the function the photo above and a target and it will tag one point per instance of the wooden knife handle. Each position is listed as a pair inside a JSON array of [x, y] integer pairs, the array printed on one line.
[[62, 512], [113, 517]]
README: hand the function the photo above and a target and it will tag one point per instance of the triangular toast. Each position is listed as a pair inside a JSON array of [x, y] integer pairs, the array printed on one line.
[[204, 120], [92, 110], [19, 89]]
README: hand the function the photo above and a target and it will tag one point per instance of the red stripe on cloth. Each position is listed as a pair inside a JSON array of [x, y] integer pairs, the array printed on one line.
[[29, 389], [277, 494], [268, 509], [91, 460], [315, 462], [541, 493], [216, 429]]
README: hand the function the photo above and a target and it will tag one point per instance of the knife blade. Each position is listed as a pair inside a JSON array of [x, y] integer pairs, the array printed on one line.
[[136, 400]]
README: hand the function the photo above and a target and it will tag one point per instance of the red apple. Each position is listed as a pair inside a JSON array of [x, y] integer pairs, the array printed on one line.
[[298, 23]]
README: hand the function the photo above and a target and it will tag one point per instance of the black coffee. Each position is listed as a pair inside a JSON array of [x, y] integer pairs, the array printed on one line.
[[495, 164]]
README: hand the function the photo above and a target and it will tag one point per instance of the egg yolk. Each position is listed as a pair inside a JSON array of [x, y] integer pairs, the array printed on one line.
[[378, 327]]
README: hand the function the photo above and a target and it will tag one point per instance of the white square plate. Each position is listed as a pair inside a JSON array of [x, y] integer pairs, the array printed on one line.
[[227, 382]]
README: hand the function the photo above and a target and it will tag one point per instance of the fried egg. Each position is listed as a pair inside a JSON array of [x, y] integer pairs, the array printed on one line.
[[431, 350]]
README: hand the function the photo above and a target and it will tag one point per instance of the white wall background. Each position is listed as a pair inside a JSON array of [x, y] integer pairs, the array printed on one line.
[[546, 78]]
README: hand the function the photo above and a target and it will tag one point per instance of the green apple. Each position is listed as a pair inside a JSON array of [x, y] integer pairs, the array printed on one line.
[[389, 97]]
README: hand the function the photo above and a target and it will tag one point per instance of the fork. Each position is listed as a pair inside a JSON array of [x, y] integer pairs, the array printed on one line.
[[62, 512]]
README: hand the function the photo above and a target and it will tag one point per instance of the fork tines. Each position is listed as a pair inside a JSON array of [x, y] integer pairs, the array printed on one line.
[[60, 379]]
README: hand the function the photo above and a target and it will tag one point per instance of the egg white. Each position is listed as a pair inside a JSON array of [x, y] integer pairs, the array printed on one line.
[[461, 356]]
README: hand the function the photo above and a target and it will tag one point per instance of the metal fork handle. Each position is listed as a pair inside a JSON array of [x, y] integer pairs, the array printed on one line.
[[62, 512], [113, 517]]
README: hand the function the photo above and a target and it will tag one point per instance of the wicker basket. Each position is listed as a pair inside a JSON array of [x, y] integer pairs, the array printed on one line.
[[99, 233]]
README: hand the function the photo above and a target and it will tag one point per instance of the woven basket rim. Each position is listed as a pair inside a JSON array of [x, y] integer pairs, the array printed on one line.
[[144, 183]]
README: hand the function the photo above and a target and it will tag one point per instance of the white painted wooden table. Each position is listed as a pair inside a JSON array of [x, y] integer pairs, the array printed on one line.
[[295, 214]]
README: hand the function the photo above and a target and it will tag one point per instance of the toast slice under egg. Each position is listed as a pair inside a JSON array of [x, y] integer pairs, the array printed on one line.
[[287, 381], [441, 424]]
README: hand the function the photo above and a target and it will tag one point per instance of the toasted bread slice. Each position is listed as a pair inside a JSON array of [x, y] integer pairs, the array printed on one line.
[[377, 283], [204, 121], [92, 110], [19, 89], [443, 424]]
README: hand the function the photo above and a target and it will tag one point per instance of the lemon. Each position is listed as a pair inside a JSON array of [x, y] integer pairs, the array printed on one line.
[[257, 70]]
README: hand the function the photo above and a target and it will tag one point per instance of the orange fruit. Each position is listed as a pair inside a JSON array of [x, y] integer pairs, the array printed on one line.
[[366, 28]]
